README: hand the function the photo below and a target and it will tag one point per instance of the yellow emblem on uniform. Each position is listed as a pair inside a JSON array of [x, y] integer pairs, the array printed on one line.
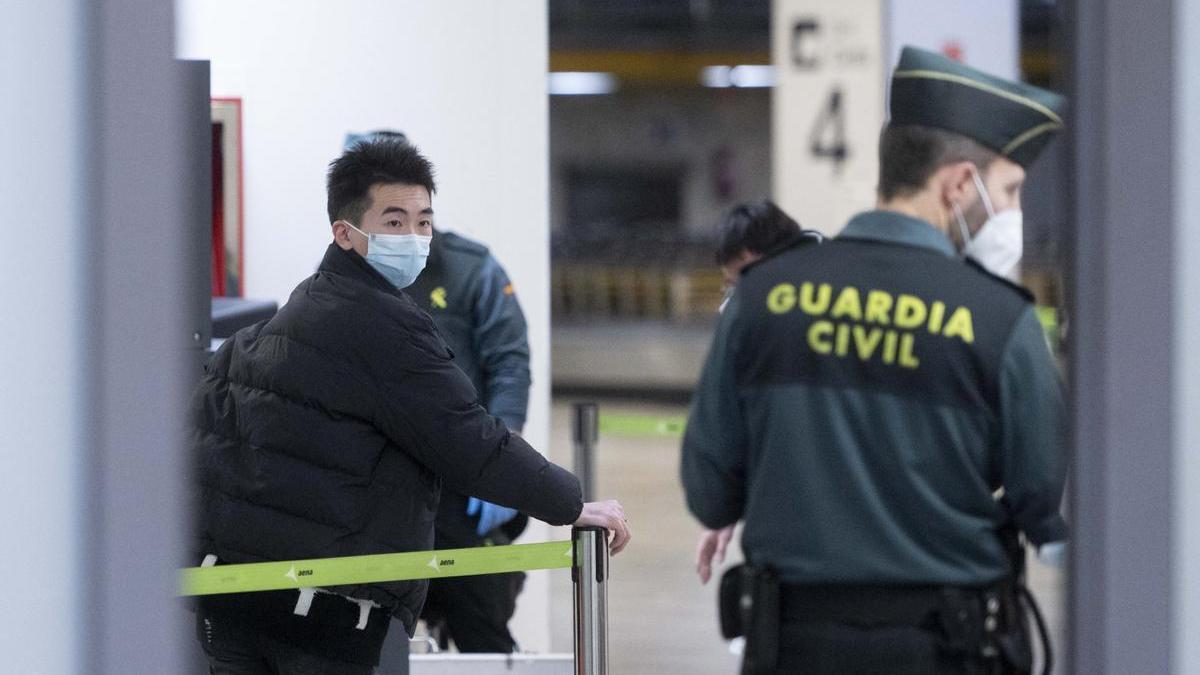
[[438, 297]]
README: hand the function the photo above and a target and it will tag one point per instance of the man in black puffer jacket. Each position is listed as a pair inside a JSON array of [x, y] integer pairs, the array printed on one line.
[[329, 429]]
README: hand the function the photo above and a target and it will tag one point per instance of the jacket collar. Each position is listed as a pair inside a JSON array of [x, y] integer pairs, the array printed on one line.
[[351, 264], [891, 227], [436, 251]]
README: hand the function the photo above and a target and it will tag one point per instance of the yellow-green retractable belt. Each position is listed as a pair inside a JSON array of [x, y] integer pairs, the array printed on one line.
[[670, 426], [365, 569]]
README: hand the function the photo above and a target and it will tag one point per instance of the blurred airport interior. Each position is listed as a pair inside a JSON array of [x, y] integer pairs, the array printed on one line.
[[661, 120], [165, 164]]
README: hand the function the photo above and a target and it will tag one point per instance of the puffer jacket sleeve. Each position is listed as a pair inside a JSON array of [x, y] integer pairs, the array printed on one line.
[[427, 407]]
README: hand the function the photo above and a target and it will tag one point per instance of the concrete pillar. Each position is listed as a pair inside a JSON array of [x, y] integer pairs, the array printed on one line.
[[1186, 332], [1125, 301], [92, 337]]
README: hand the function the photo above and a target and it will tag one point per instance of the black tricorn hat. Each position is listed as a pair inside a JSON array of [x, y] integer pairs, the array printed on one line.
[[1014, 119]]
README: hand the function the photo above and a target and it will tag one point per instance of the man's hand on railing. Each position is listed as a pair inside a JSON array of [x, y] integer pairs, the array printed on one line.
[[609, 515], [712, 545]]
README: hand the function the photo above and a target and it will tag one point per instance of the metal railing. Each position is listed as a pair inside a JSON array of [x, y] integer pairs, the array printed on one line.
[[590, 575], [590, 569], [586, 431]]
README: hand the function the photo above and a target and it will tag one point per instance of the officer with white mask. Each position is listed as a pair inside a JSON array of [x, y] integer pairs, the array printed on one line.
[[997, 243], [883, 414]]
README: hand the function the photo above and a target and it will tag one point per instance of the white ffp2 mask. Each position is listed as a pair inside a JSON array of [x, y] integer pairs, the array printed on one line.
[[999, 244]]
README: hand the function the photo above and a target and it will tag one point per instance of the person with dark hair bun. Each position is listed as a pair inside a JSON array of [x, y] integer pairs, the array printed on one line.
[[749, 232], [752, 231]]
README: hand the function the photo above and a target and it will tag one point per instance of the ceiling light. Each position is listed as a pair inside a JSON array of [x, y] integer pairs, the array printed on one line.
[[581, 83], [716, 76], [744, 76], [752, 76]]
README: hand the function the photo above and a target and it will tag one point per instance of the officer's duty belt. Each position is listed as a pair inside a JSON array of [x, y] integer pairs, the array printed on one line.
[[869, 605]]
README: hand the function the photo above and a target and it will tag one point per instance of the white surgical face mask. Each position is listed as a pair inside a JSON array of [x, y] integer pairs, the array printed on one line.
[[998, 245], [398, 257]]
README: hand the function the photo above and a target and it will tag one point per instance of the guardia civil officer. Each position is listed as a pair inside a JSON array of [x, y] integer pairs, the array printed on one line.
[[864, 403]]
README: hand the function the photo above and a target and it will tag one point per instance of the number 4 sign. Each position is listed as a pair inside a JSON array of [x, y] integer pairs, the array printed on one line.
[[832, 63], [828, 137], [828, 108]]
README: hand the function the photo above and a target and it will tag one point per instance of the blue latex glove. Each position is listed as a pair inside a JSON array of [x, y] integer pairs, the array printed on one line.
[[1053, 554], [490, 515]]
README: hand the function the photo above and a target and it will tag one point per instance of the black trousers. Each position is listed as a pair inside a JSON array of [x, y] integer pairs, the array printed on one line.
[[474, 611], [235, 651], [813, 648]]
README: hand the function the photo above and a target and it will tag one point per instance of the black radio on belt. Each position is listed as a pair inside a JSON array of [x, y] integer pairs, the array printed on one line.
[[749, 606]]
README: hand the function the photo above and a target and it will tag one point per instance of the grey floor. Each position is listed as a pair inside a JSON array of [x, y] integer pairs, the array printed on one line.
[[661, 619]]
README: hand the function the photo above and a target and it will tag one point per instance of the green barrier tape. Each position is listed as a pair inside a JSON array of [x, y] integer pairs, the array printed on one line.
[[642, 425], [366, 569]]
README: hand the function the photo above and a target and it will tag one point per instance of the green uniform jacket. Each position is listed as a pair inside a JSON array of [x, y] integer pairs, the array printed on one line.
[[861, 406], [475, 308]]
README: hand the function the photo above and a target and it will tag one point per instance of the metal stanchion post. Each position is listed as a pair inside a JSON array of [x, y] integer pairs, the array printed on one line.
[[590, 574], [587, 432]]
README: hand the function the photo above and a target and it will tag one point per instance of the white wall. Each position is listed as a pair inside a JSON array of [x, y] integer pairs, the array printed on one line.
[[1186, 563], [466, 80], [842, 58], [42, 407], [985, 31]]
